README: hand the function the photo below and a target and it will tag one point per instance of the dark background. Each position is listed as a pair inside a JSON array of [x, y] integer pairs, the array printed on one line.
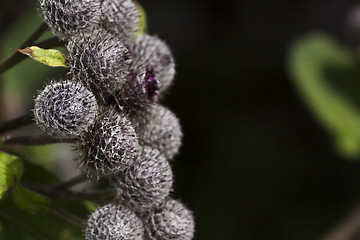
[[255, 164]]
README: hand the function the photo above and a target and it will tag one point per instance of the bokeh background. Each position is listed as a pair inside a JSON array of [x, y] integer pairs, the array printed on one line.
[[255, 163]]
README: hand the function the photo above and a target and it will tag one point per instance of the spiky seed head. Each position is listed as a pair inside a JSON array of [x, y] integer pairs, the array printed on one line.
[[153, 53], [65, 109], [121, 18], [172, 221], [102, 63], [133, 95], [160, 128], [68, 18], [109, 146], [147, 183], [114, 222]]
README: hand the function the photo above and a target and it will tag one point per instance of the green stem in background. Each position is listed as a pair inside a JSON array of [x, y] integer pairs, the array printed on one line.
[[16, 123], [32, 140], [17, 57], [61, 213], [346, 229]]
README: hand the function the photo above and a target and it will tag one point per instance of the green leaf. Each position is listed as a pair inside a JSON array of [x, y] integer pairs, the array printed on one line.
[[50, 57], [19, 225], [30, 201], [91, 206], [143, 20], [11, 169], [326, 76]]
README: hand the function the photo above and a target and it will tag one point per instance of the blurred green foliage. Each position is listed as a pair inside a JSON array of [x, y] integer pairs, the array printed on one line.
[[11, 170], [327, 77], [30, 201], [15, 224], [143, 20]]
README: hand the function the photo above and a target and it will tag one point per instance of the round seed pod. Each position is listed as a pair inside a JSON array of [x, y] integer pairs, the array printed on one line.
[[102, 63], [160, 128], [65, 109], [109, 146], [172, 221], [153, 53], [133, 95], [114, 222], [139, 92], [147, 183], [70, 17], [120, 18]]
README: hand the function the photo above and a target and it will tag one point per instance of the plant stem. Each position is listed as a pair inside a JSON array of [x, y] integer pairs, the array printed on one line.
[[95, 196], [62, 190], [54, 191], [61, 213], [62, 186], [6, 64], [16, 123], [31, 140], [346, 229], [50, 43], [71, 182], [35, 35], [17, 57]]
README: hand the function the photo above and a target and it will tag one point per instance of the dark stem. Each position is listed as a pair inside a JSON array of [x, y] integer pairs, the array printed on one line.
[[16, 123], [6, 64], [346, 229], [56, 191], [17, 57], [71, 182], [35, 35], [49, 43], [96, 195], [61, 213], [32, 140]]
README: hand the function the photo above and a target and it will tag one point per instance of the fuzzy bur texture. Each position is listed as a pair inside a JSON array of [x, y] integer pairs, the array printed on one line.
[[68, 18], [102, 63], [114, 222], [173, 221], [110, 146], [161, 129], [110, 106], [121, 18], [147, 183], [133, 95], [65, 109], [153, 54]]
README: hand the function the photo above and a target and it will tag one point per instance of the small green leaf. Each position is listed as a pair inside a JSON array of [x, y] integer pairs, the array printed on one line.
[[143, 20], [50, 57], [11, 169], [30, 201]]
